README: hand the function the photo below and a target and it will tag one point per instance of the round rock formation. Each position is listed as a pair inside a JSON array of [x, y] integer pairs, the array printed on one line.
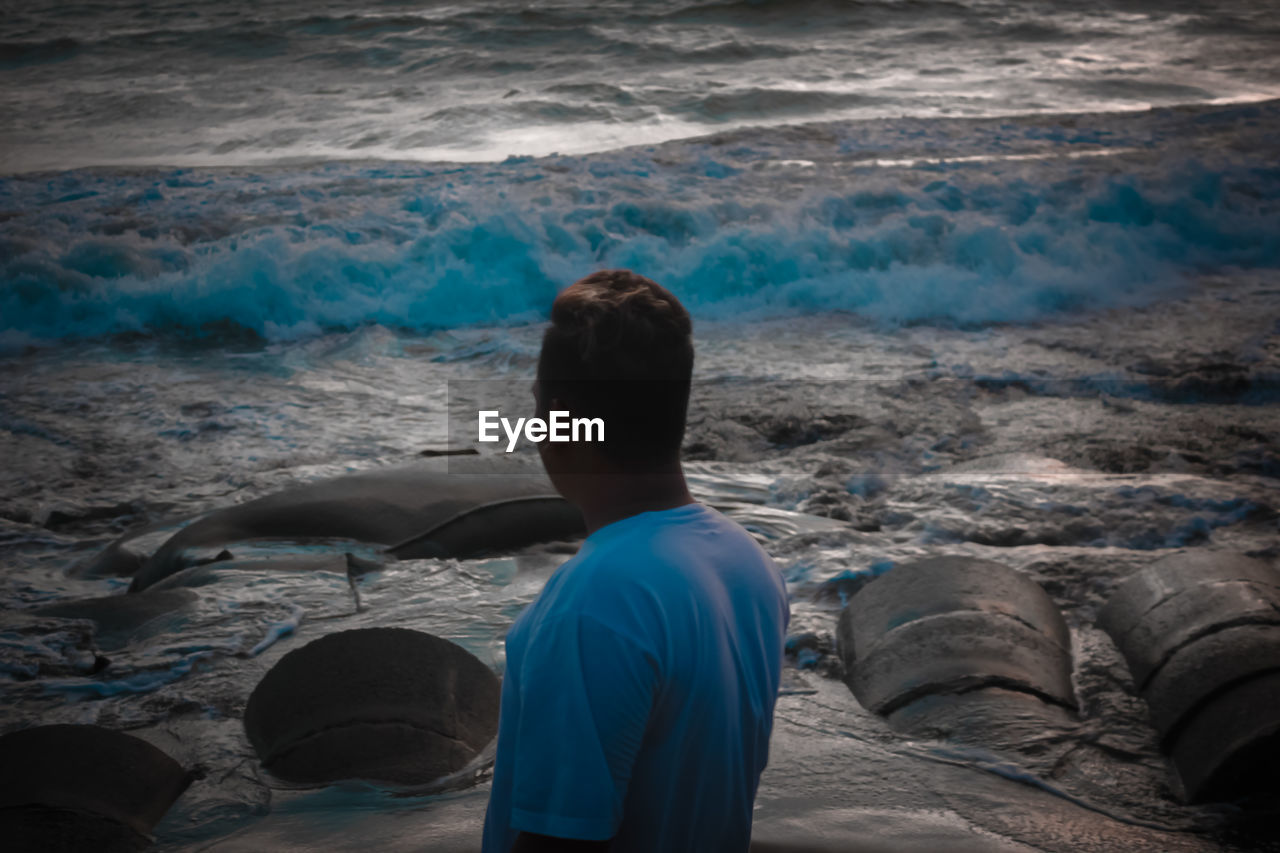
[[73, 788], [941, 643], [1200, 632], [384, 704]]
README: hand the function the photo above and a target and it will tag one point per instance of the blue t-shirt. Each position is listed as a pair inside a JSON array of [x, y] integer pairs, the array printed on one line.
[[638, 697]]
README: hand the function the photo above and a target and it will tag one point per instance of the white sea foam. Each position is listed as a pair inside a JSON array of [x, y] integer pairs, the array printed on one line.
[[904, 221]]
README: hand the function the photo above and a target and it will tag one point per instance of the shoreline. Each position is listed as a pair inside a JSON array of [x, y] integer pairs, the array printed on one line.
[[837, 476]]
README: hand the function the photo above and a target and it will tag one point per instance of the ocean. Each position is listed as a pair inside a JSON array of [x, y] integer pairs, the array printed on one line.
[[984, 278], [240, 83]]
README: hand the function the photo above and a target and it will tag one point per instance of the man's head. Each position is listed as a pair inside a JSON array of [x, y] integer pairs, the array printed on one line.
[[619, 348]]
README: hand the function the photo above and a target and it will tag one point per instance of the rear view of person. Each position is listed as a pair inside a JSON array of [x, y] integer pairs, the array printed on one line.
[[640, 685]]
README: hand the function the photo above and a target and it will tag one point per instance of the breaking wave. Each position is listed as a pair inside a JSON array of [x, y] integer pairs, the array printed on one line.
[[731, 228]]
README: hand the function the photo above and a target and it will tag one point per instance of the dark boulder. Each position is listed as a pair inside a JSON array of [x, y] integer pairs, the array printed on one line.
[[1200, 632], [919, 637], [74, 788], [384, 704]]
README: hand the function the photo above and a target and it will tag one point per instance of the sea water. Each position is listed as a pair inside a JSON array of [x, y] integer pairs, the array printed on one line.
[[261, 81], [985, 278]]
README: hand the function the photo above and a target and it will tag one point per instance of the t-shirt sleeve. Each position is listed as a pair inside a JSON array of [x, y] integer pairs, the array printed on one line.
[[586, 692]]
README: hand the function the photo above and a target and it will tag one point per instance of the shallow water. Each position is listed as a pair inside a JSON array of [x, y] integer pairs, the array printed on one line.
[[843, 446]]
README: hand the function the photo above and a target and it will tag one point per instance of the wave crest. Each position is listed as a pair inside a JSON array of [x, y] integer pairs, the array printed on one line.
[[732, 231]]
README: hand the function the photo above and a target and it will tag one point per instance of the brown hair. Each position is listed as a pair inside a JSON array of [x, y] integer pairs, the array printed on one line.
[[620, 347]]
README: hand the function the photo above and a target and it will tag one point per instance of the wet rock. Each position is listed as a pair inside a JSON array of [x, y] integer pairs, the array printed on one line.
[[990, 717], [815, 652], [720, 439], [1194, 672], [386, 704], [1231, 745], [956, 653], [33, 646], [1147, 588], [122, 558], [471, 505], [120, 619], [1200, 632], [949, 626], [70, 516], [79, 788], [838, 505], [797, 428], [1190, 615]]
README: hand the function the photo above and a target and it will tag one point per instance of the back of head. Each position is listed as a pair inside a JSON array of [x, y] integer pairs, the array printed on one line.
[[620, 348]]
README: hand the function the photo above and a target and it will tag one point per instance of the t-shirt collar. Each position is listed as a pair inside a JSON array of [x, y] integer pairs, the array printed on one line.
[[657, 516]]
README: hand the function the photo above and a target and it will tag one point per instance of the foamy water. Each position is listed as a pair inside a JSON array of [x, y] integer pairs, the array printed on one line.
[[903, 221]]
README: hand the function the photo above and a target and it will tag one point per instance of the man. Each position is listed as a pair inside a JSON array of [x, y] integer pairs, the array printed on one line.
[[640, 685]]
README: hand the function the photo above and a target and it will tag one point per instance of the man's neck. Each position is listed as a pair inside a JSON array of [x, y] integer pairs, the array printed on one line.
[[617, 496]]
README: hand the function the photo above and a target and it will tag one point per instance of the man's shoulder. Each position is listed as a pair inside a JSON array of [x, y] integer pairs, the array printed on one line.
[[688, 527], [660, 555], [675, 551]]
